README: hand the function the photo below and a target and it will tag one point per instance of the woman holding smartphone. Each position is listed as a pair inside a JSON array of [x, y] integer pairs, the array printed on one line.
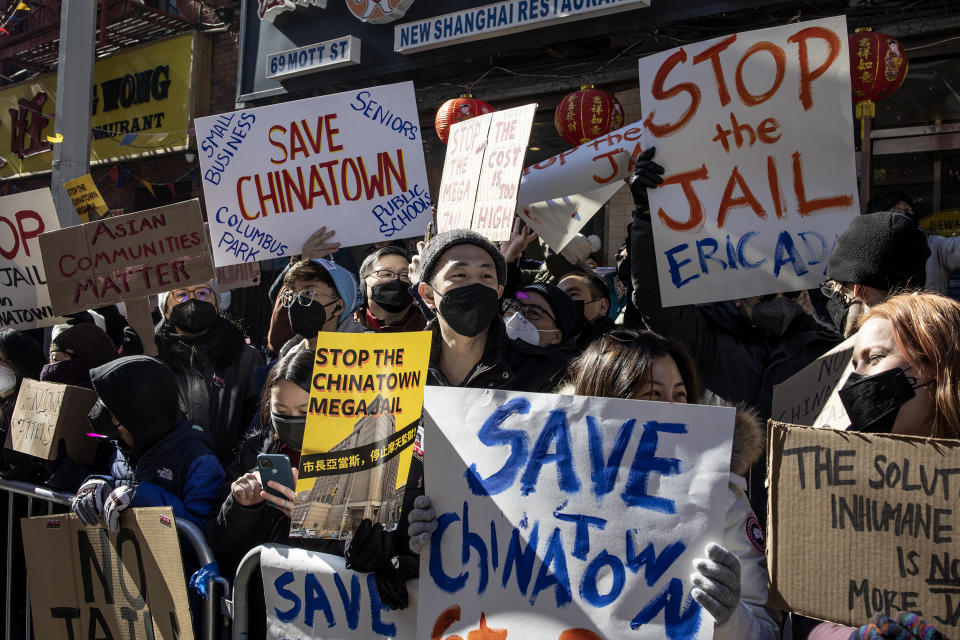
[[255, 512]]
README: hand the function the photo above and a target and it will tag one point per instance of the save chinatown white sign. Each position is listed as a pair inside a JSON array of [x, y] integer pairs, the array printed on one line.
[[755, 131], [569, 517], [351, 162]]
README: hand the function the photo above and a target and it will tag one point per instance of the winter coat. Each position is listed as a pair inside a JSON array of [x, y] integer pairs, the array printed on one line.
[[507, 364], [237, 528], [736, 361], [743, 537], [944, 258], [414, 321], [215, 379], [180, 471]]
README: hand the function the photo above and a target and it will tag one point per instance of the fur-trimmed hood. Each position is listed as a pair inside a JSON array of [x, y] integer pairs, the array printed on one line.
[[749, 439]]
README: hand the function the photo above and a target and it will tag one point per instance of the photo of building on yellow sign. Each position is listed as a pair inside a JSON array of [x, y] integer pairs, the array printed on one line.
[[143, 103], [366, 398]]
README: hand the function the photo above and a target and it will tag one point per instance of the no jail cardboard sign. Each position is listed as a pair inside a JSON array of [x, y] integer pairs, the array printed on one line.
[[366, 398], [352, 162], [755, 131], [314, 595], [126, 257], [569, 517], [24, 296], [863, 523], [85, 582]]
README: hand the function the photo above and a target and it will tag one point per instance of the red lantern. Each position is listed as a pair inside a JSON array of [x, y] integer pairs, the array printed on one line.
[[878, 65], [458, 110], [587, 114]]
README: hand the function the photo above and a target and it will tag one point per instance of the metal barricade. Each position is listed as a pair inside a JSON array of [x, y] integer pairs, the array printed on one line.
[[53, 502], [239, 607]]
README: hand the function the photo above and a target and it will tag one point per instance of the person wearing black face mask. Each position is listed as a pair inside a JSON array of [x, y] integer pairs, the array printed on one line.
[[212, 364], [877, 254], [249, 516], [385, 282]]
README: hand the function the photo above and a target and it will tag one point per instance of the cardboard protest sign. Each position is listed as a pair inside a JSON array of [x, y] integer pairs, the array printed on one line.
[[810, 396], [500, 172], [559, 195], [863, 523], [461, 172], [755, 132], [126, 257], [352, 162], [569, 517], [314, 595], [85, 582], [481, 172], [365, 403], [46, 413], [86, 198], [24, 297], [238, 276]]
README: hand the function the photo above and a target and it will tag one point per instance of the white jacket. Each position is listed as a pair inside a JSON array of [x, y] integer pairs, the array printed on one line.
[[944, 258], [743, 537]]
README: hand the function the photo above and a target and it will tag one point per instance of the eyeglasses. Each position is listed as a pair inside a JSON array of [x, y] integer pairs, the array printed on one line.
[[204, 294], [304, 298], [383, 275], [532, 312]]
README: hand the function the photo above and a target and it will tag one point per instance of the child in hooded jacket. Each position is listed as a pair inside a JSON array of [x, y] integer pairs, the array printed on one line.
[[160, 459]]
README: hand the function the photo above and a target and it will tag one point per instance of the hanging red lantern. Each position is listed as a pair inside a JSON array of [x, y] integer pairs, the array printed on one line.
[[457, 110], [586, 114], [878, 65]]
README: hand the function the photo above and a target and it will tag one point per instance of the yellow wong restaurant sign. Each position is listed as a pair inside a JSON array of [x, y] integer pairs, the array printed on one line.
[[144, 100]]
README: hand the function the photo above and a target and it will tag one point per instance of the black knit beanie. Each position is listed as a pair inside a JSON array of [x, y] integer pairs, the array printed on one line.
[[83, 340], [430, 257], [562, 306], [884, 250]]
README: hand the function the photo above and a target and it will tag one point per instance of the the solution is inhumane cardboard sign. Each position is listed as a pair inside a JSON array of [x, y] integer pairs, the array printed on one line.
[[481, 172], [314, 595], [861, 524], [24, 297], [46, 413], [810, 397], [126, 257], [569, 517], [755, 132], [85, 582], [352, 162]]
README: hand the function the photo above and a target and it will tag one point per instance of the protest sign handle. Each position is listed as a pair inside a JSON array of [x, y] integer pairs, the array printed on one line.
[[138, 316]]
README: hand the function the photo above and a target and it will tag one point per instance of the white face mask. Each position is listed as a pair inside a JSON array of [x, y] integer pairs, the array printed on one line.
[[519, 328], [8, 379]]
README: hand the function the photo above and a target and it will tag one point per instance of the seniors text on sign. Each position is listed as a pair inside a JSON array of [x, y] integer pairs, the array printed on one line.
[[352, 162], [755, 132]]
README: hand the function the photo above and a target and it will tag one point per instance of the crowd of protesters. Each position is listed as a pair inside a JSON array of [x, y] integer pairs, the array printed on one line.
[[184, 428]]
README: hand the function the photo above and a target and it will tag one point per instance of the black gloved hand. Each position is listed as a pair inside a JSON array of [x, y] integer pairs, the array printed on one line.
[[392, 580], [647, 174], [79, 317], [370, 548]]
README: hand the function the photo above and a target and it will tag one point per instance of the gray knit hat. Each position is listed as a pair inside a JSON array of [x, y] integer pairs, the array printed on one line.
[[430, 257]]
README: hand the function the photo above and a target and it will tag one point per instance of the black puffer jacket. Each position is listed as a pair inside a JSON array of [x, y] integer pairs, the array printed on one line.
[[214, 374], [238, 528], [736, 361]]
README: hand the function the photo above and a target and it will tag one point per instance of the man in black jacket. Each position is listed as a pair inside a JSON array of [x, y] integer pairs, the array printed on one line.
[[212, 364]]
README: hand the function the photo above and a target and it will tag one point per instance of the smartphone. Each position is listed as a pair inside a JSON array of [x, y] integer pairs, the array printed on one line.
[[276, 467]]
